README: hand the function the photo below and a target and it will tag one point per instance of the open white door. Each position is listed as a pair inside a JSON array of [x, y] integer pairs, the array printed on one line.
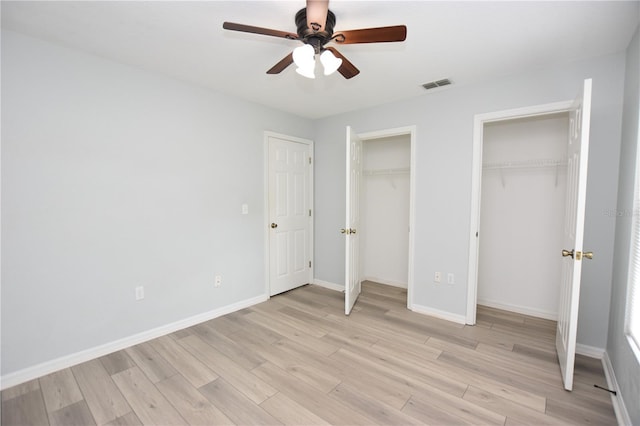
[[290, 223], [578, 154], [352, 249]]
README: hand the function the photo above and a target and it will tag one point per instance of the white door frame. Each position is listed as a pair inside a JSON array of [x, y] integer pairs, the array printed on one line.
[[266, 223], [411, 132], [476, 186]]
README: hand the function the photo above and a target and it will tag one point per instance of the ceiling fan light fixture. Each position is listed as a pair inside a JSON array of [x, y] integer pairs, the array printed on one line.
[[330, 62], [307, 71], [304, 56]]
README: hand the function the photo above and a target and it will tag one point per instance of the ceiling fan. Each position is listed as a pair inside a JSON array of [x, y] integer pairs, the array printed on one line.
[[315, 29]]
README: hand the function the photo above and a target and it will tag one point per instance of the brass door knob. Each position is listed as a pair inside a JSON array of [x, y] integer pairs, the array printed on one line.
[[566, 253], [353, 231], [274, 225], [345, 231], [588, 254]]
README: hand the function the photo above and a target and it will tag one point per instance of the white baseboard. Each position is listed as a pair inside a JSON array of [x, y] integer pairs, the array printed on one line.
[[48, 367], [460, 319], [385, 282], [622, 415], [329, 285], [519, 309], [590, 351]]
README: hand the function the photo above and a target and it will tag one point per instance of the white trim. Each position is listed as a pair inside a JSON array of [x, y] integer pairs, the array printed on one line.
[[30, 373], [436, 313], [479, 121], [622, 415], [590, 351], [525, 310], [329, 285], [411, 132], [269, 134], [385, 282]]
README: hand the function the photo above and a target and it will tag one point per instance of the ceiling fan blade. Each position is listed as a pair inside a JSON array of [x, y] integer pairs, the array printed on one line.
[[372, 35], [280, 66], [347, 69], [258, 30], [317, 14]]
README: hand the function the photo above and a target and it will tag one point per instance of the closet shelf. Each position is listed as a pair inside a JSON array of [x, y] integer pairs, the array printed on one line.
[[378, 172], [527, 164]]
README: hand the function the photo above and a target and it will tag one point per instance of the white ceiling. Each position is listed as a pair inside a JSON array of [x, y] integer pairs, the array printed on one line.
[[464, 41]]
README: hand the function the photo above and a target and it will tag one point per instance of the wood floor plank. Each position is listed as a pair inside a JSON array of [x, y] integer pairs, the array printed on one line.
[[580, 415], [508, 365], [186, 364], [145, 399], [59, 390], [459, 407], [320, 404], [150, 362], [129, 419], [314, 370], [291, 333], [377, 385], [102, 396], [223, 325], [117, 362], [77, 414], [432, 414], [243, 380], [508, 408], [402, 371], [228, 347], [377, 409], [190, 403], [235, 405], [21, 389], [25, 409], [290, 412]]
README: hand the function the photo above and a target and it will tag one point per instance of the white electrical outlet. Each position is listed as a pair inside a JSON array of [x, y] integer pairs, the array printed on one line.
[[450, 278], [139, 292], [437, 277], [218, 281]]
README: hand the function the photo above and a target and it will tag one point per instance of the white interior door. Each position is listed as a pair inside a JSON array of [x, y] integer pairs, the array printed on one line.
[[578, 153], [289, 214], [352, 222]]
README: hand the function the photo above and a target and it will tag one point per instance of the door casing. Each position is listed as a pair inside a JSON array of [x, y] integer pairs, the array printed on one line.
[[266, 224]]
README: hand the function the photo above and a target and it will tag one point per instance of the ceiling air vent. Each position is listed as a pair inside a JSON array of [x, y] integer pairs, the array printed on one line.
[[438, 83]]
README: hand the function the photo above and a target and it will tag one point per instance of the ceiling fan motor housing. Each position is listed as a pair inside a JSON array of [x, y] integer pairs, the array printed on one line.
[[311, 36]]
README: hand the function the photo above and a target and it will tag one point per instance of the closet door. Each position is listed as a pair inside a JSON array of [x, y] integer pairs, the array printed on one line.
[[352, 242], [578, 154]]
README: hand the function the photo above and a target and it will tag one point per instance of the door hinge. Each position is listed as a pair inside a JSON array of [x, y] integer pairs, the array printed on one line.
[[309, 160], [309, 264], [309, 212]]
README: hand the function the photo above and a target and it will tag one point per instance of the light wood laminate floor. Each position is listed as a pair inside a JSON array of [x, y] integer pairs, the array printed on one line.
[[297, 359]]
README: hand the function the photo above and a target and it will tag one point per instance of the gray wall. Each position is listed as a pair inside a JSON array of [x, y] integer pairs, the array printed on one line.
[[113, 177], [624, 362], [444, 121]]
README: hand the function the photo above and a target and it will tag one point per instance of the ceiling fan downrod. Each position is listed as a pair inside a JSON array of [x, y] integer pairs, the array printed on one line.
[[313, 36]]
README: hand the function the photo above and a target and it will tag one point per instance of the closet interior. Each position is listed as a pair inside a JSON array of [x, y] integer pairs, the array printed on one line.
[[384, 210], [522, 212]]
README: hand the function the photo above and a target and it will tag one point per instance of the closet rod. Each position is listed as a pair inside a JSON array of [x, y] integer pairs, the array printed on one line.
[[527, 164], [378, 172]]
